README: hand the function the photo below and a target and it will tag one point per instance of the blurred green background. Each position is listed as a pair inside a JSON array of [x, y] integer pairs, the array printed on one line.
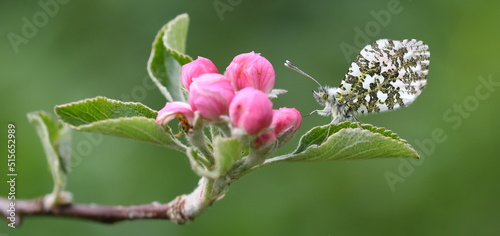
[[91, 48]]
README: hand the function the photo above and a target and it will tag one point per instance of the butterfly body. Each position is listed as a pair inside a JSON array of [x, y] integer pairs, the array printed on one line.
[[327, 96]]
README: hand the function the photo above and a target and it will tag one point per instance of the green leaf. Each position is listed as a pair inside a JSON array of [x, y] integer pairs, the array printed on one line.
[[122, 119], [226, 152], [138, 128], [348, 141], [56, 141], [100, 108], [167, 57]]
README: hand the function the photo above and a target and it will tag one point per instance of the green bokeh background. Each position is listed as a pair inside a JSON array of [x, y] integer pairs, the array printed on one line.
[[91, 48]]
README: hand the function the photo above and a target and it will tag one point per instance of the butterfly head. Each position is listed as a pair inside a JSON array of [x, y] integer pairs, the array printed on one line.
[[325, 95]]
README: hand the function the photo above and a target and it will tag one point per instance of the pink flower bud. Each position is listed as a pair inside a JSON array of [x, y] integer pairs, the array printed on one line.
[[211, 94], [251, 70], [251, 110], [264, 139], [286, 122], [179, 110], [195, 69]]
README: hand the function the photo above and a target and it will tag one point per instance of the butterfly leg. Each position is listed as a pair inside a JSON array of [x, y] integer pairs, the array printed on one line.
[[335, 120], [358, 122]]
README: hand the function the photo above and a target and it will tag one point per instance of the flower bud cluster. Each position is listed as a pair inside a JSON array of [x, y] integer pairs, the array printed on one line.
[[238, 99]]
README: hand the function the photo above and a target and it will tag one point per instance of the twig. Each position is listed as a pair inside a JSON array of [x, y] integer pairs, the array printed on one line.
[[182, 209], [99, 213]]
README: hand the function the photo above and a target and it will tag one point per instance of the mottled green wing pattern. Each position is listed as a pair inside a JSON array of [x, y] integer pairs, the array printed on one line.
[[386, 75]]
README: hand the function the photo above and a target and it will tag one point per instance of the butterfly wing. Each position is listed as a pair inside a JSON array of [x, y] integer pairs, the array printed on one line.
[[386, 75]]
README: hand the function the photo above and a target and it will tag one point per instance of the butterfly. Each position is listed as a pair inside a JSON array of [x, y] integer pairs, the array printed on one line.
[[386, 75]]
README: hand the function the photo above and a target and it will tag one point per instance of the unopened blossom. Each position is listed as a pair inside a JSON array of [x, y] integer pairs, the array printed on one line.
[[179, 110], [195, 69], [286, 121], [251, 70], [211, 94], [265, 139], [251, 110]]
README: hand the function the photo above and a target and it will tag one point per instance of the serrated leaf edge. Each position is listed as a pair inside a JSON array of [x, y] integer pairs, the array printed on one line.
[[96, 99], [390, 138], [166, 32], [178, 146]]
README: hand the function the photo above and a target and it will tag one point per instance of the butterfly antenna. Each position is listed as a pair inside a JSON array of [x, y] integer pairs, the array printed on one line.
[[295, 68]]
